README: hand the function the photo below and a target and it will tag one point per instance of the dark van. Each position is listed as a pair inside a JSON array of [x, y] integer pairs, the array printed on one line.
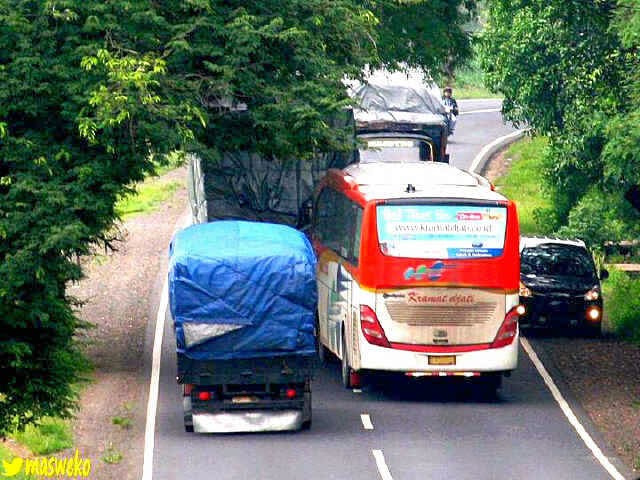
[[559, 284]]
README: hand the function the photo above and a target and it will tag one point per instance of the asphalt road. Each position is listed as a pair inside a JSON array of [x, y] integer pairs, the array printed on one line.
[[420, 429], [479, 123]]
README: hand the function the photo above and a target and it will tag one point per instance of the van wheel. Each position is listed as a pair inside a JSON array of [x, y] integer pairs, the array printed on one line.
[[592, 330]]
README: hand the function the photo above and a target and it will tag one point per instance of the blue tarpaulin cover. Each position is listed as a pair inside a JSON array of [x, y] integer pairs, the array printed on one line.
[[242, 290]]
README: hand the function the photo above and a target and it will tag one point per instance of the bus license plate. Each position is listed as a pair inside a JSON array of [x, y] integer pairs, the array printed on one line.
[[442, 360], [244, 399]]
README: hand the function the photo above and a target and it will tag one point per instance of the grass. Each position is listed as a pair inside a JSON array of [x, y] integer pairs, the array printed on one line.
[[522, 182], [124, 420], [5, 454], [111, 455], [50, 435], [153, 191], [149, 195], [469, 82]]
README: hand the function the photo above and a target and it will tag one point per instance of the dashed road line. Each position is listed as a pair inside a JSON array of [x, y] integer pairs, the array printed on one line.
[[571, 417], [385, 474], [366, 421]]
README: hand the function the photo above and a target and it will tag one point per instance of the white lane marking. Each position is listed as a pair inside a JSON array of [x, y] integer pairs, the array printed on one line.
[[156, 356], [486, 110], [366, 421], [357, 390], [154, 385], [382, 465], [490, 146], [566, 409]]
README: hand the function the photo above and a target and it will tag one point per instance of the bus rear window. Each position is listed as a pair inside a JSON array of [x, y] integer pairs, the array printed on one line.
[[441, 231]]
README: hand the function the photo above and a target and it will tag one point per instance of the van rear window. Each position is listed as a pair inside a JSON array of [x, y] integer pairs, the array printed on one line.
[[441, 231]]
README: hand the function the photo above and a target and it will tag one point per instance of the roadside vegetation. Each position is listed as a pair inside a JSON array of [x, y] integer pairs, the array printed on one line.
[[470, 82], [525, 184], [47, 437], [146, 196], [570, 72], [50, 435]]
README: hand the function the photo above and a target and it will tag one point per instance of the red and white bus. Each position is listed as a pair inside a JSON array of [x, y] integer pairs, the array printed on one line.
[[418, 271]]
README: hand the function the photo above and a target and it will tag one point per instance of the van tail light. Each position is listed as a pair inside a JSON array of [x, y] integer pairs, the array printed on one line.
[[508, 329], [187, 388], [371, 328]]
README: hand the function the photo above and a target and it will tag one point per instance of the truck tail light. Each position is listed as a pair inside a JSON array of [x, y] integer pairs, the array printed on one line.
[[291, 393], [508, 329], [371, 328], [204, 396]]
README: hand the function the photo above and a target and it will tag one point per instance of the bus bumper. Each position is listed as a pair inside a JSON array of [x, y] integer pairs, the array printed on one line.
[[377, 358]]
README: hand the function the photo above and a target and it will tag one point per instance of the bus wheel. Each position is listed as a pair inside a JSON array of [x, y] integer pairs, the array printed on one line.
[[350, 378], [322, 350], [322, 353], [491, 383]]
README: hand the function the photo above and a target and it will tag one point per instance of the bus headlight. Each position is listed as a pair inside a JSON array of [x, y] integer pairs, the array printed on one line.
[[593, 294], [524, 290]]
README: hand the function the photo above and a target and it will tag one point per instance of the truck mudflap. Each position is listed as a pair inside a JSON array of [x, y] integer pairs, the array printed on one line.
[[245, 421]]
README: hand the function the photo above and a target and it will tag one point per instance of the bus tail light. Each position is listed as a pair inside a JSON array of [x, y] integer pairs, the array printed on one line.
[[371, 328], [508, 329]]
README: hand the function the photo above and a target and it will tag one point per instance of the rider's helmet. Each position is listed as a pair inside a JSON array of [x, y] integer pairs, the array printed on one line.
[[448, 90]]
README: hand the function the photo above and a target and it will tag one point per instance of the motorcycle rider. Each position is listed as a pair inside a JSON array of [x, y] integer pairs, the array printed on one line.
[[451, 107]]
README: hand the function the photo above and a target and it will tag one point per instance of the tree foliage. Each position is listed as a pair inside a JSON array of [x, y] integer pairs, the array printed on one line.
[[564, 68], [423, 33], [93, 92]]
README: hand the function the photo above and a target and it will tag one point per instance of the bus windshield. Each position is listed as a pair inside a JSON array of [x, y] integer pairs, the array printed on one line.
[[441, 231]]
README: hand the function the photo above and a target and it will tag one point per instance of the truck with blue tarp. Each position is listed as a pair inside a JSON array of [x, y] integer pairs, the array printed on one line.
[[242, 296]]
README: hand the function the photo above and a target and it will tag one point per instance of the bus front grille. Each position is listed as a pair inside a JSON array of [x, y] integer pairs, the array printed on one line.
[[442, 316]]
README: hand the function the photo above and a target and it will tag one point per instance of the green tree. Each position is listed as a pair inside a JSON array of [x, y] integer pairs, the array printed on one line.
[[563, 68], [92, 92], [429, 34]]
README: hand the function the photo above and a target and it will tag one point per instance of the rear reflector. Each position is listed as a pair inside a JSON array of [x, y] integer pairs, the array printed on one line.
[[371, 328], [442, 374]]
